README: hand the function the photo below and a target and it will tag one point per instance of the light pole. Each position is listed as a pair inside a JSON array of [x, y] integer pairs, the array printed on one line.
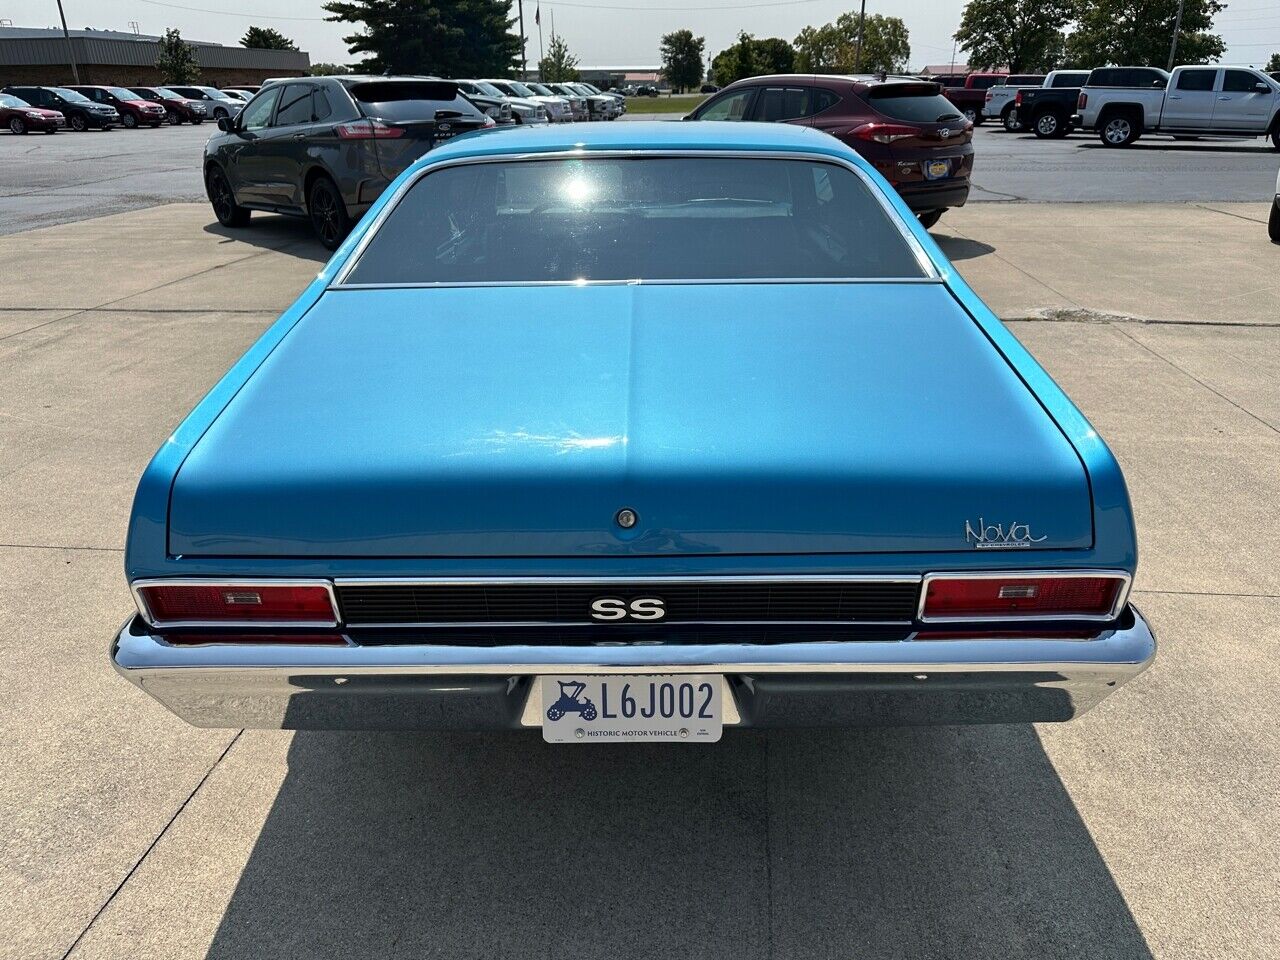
[[1177, 25], [71, 53], [857, 55], [524, 63]]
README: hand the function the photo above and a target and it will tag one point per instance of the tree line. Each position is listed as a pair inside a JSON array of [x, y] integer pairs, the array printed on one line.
[[475, 38]]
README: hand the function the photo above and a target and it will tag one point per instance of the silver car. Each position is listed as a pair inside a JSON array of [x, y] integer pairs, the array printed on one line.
[[523, 109]]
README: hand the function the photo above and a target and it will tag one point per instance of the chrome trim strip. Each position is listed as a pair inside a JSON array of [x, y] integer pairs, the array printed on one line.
[[1122, 596], [136, 588], [611, 580], [632, 282], [931, 270]]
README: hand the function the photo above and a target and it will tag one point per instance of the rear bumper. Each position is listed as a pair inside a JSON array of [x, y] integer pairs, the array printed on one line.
[[439, 686], [937, 195]]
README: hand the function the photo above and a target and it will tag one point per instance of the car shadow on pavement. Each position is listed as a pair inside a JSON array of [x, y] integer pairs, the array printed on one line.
[[291, 235], [962, 248], [912, 842]]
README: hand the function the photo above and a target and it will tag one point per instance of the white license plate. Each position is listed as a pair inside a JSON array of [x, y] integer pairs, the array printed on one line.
[[675, 708]]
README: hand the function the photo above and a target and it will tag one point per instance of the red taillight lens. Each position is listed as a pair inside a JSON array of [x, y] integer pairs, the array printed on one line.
[[237, 603], [1082, 101], [1013, 597], [884, 132], [1017, 99], [367, 130]]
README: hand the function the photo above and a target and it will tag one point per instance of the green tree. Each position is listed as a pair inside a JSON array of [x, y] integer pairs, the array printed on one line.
[[833, 47], [1021, 36], [266, 38], [452, 38], [1273, 64], [177, 60], [329, 70], [682, 59], [750, 57], [1124, 32], [559, 65]]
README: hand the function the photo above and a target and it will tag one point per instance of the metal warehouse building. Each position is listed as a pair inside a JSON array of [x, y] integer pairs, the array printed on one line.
[[33, 55]]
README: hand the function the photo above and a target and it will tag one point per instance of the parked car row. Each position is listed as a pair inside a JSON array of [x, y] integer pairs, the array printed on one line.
[[1121, 104], [905, 126], [102, 107]]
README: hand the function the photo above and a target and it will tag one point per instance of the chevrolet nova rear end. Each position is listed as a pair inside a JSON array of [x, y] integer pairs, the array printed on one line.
[[634, 433]]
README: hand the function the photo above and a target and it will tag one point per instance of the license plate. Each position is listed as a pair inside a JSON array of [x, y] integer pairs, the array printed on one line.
[[937, 169], [676, 708]]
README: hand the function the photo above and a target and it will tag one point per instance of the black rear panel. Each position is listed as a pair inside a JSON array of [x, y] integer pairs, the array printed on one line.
[[570, 603]]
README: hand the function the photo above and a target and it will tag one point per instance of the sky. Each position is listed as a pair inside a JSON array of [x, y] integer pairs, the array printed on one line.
[[599, 32]]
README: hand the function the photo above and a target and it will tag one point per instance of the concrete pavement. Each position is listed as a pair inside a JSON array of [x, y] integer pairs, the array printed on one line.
[[1146, 829]]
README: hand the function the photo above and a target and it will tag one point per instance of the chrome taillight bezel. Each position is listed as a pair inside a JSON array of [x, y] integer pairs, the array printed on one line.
[[1122, 595], [247, 583]]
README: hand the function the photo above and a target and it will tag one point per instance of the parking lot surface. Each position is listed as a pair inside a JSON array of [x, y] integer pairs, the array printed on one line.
[[77, 176], [1146, 829]]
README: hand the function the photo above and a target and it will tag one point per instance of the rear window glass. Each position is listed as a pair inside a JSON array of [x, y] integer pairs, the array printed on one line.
[[922, 103], [1023, 79], [401, 101], [1070, 79], [636, 218]]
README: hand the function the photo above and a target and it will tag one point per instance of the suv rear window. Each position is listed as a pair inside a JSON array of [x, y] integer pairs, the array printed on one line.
[[920, 103], [637, 218], [401, 100]]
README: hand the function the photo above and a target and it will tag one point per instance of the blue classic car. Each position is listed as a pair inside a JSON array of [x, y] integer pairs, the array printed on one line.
[[628, 433]]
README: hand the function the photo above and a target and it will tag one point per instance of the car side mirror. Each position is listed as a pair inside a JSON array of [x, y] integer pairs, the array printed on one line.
[[226, 124], [1261, 87]]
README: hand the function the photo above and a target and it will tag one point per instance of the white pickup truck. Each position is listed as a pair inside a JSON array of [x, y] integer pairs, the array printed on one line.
[[999, 101], [1122, 103]]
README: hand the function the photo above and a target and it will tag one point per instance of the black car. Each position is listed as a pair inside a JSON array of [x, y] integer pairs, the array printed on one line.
[[326, 147], [81, 112]]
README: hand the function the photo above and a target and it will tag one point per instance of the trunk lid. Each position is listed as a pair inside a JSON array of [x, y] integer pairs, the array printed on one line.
[[518, 421]]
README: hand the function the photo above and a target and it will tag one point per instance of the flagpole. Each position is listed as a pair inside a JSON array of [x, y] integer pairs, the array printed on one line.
[[537, 18]]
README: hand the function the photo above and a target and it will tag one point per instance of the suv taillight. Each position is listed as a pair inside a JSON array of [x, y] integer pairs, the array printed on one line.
[[367, 130], [1018, 596], [236, 603], [1017, 99], [1082, 101], [884, 132]]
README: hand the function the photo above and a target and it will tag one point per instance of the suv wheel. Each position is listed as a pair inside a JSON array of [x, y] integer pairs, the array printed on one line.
[[172, 117], [220, 114], [929, 217], [78, 122], [18, 125], [328, 213], [1275, 134], [971, 115], [129, 121], [1118, 130], [225, 208]]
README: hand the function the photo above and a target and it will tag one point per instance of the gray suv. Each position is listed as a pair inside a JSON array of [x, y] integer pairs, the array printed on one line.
[[326, 147]]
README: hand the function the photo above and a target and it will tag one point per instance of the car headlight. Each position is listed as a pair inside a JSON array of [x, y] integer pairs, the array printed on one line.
[[34, 116], [492, 112]]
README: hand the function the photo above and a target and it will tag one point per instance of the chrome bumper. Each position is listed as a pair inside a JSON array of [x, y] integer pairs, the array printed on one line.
[[437, 686]]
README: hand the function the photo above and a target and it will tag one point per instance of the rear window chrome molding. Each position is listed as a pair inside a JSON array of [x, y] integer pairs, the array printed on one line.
[[1122, 595], [145, 612], [926, 263]]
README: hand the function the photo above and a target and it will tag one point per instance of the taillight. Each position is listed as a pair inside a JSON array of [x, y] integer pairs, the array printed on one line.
[[884, 132], [367, 130], [1014, 596], [237, 603], [989, 97], [1082, 101], [1017, 99]]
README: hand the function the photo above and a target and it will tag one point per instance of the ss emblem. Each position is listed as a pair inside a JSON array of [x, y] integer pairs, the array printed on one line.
[[615, 608]]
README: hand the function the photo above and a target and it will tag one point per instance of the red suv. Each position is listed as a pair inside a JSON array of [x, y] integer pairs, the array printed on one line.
[[903, 126], [134, 111]]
